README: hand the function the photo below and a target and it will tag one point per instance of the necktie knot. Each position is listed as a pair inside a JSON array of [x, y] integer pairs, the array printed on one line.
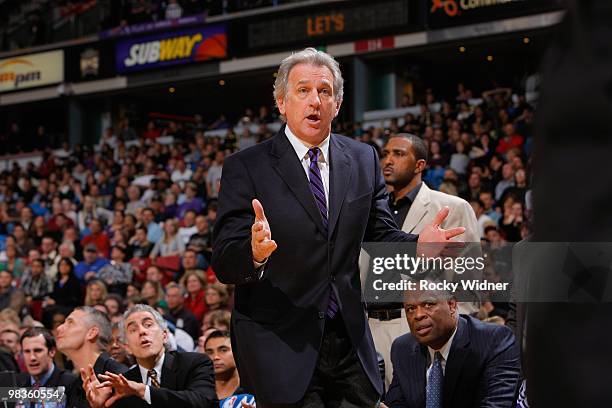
[[313, 154], [153, 376], [437, 357]]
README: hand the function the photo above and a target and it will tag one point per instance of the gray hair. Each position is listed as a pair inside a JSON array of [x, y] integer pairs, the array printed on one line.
[[102, 322], [309, 56], [141, 308]]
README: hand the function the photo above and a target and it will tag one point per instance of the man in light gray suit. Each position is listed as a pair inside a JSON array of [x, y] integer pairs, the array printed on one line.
[[413, 206]]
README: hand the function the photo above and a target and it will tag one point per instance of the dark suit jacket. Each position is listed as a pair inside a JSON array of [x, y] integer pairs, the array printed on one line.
[[187, 380], [278, 321], [482, 369]]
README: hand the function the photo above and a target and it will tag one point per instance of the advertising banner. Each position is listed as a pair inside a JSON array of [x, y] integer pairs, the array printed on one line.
[[446, 13], [28, 71], [171, 48]]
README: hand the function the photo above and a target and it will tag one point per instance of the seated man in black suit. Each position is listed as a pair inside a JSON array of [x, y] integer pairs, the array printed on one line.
[[84, 338], [160, 378], [38, 348], [449, 360]]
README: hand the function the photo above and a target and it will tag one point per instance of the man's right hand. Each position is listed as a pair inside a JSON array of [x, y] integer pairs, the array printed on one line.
[[262, 243]]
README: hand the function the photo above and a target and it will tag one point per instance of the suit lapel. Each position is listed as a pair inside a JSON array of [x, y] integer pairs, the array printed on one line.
[[133, 374], [289, 168], [168, 376], [339, 179], [456, 357], [417, 363], [418, 210]]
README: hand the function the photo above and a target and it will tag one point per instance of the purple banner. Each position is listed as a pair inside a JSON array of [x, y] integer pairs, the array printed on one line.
[[171, 48], [153, 26]]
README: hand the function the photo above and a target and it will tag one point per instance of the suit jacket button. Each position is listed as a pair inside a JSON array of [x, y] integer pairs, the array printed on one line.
[[321, 315]]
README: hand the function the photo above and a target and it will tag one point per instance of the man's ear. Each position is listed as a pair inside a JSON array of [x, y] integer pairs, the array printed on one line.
[[165, 336], [52, 352], [338, 104], [452, 305], [420, 166], [280, 102], [92, 334]]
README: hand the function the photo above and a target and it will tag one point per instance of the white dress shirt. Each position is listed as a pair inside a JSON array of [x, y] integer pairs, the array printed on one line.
[[444, 350], [144, 373], [301, 149]]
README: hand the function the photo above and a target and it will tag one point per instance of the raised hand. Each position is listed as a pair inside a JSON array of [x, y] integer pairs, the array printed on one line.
[[262, 243], [95, 396], [122, 387], [433, 239]]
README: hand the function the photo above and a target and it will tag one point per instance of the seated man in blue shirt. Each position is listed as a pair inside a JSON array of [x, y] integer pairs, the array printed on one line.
[[90, 265]]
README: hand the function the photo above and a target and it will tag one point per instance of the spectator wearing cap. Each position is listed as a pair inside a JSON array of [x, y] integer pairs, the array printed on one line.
[[97, 237], [118, 273], [91, 264]]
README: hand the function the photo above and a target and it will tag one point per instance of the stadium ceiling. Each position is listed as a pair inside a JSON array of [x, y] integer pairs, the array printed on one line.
[[347, 49]]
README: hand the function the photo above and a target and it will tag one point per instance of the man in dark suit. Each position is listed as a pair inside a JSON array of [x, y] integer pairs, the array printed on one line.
[[299, 330], [160, 378], [38, 348], [451, 360]]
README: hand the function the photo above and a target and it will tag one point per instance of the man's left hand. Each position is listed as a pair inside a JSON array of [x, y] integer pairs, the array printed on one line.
[[122, 387], [433, 239]]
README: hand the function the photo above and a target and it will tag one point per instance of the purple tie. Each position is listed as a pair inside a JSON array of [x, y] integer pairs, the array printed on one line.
[[318, 191]]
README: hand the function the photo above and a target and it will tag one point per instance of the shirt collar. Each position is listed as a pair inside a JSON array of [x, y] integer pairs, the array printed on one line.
[[45, 377], [411, 195], [144, 373], [301, 147], [445, 349]]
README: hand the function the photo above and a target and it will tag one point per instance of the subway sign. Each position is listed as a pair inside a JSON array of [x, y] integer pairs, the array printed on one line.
[[27, 71], [172, 48]]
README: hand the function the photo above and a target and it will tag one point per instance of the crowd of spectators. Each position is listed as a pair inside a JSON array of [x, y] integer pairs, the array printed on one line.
[[38, 22], [112, 225]]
